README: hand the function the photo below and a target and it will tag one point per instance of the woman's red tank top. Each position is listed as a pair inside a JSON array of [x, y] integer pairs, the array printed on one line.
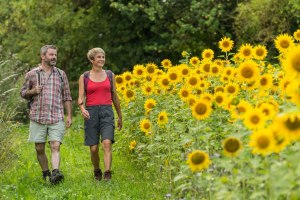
[[98, 93]]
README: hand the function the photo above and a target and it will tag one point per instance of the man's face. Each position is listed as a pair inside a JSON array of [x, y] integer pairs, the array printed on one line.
[[50, 57]]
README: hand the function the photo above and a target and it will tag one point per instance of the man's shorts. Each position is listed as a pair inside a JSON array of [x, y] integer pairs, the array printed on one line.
[[101, 123], [38, 133]]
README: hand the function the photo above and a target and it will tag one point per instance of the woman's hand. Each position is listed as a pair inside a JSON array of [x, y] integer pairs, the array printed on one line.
[[85, 113]]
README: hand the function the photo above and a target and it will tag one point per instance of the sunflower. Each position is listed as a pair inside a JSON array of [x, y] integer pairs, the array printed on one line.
[[219, 88], [268, 110], [173, 75], [191, 100], [289, 123], [184, 70], [201, 109], [246, 51], [145, 125], [184, 93], [132, 145], [262, 142], [219, 98], [225, 44], [148, 89], [158, 73], [119, 80], [265, 81], [164, 82], [228, 71], [281, 138], [293, 92], [284, 82], [127, 76], [216, 70], [260, 52], [198, 160], [207, 96], [166, 63], [138, 71], [184, 54], [292, 62], [149, 104], [162, 118], [232, 88], [206, 67], [129, 94], [297, 35], [232, 146], [194, 61], [207, 54], [192, 81], [248, 71], [243, 107], [150, 68], [254, 119], [283, 42], [203, 85]]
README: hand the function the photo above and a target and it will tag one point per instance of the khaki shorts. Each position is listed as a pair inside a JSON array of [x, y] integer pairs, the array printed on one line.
[[38, 133]]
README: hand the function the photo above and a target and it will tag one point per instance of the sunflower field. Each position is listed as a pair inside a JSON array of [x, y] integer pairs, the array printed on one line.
[[218, 126]]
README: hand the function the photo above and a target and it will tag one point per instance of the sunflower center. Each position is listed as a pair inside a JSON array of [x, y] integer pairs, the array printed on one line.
[[255, 119], [247, 72], [231, 89], [193, 81], [207, 55], [198, 158], [292, 124], [150, 70], [148, 89], [263, 81], [215, 70], [263, 142], [192, 102], [150, 105], [228, 72], [185, 72], [146, 126], [173, 76], [127, 78], [219, 99], [266, 111], [206, 67], [246, 52], [185, 93], [221, 89], [225, 44], [165, 82], [232, 145], [259, 52], [201, 109], [129, 93], [241, 109], [284, 44], [161, 117], [119, 80], [140, 72]]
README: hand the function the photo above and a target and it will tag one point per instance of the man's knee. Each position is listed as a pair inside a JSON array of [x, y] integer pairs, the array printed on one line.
[[40, 148], [55, 146]]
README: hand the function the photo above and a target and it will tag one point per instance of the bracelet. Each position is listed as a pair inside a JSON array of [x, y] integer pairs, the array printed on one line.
[[80, 104]]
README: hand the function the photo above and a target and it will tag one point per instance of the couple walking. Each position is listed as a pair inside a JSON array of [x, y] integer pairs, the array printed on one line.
[[47, 90]]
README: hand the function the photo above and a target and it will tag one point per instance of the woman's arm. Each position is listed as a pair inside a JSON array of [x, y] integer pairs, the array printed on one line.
[[81, 98]]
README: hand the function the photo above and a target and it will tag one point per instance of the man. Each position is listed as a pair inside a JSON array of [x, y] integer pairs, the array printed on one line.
[[47, 89]]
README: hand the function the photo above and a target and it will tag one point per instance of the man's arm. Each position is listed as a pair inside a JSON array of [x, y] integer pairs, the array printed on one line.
[[27, 91], [68, 107]]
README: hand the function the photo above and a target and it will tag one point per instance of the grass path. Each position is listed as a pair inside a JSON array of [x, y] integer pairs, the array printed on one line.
[[22, 180]]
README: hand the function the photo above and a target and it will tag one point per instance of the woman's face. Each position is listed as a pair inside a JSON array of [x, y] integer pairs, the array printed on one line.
[[99, 60]]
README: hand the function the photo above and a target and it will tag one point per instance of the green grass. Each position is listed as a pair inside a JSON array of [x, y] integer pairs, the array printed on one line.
[[23, 179]]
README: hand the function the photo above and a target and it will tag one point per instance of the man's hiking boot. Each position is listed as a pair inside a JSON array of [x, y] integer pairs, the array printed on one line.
[[107, 175], [46, 174], [56, 177], [98, 174]]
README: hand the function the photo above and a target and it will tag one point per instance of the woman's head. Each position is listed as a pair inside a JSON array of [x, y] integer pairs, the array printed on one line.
[[93, 52]]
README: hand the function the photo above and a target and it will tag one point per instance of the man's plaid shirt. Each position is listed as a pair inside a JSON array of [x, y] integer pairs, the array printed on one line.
[[47, 106]]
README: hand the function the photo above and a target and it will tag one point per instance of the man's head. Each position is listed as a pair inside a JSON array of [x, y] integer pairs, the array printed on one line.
[[49, 55]]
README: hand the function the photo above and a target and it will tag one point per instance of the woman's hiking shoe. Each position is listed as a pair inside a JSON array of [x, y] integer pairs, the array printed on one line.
[[107, 175], [56, 177], [98, 174], [46, 174]]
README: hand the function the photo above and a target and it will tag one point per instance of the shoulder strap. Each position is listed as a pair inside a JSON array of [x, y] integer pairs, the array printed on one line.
[[61, 78], [109, 74], [86, 76], [38, 77]]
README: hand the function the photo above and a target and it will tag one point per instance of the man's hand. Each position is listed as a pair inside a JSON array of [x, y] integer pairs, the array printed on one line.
[[69, 121], [38, 89]]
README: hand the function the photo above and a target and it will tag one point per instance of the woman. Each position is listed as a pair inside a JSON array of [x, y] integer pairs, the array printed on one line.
[[97, 89]]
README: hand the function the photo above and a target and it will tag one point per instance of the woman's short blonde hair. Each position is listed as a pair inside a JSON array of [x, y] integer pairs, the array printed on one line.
[[92, 53]]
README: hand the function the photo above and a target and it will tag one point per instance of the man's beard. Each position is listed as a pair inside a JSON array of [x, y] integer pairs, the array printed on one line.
[[52, 62]]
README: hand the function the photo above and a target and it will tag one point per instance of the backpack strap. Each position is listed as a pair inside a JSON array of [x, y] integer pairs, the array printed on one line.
[[86, 76], [109, 74], [61, 78]]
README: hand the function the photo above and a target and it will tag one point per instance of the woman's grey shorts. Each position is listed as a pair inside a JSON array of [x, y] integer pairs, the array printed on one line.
[[101, 122]]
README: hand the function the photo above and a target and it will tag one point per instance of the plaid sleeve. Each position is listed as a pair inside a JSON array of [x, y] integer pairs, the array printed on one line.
[[66, 91], [27, 85]]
